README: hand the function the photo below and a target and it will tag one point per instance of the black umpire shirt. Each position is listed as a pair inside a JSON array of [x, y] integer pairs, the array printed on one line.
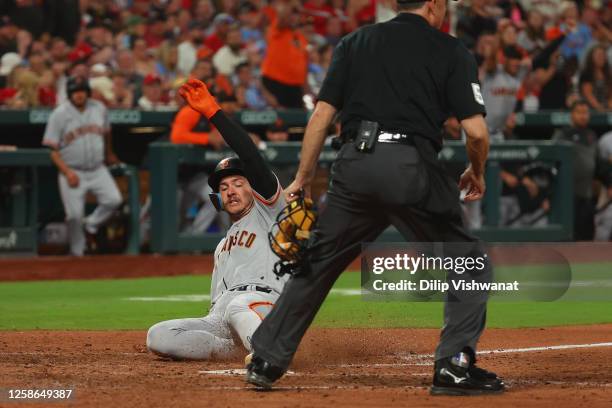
[[404, 74]]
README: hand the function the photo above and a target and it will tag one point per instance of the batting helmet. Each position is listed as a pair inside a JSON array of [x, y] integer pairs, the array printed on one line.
[[227, 167], [75, 84]]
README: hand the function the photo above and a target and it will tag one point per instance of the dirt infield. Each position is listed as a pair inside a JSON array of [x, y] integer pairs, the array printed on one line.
[[334, 367]]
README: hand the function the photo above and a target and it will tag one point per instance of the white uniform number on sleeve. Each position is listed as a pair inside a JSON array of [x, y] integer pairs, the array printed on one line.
[[477, 94]]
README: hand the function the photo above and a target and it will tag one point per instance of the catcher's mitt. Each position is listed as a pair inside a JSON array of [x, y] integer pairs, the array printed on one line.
[[290, 233]]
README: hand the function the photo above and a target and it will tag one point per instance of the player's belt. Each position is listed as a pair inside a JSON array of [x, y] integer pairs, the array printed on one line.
[[251, 288]]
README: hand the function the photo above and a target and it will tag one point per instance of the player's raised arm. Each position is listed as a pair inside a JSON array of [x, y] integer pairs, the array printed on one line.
[[258, 173]]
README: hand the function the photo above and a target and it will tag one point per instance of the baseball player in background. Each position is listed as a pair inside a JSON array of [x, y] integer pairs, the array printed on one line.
[[244, 287], [78, 133]]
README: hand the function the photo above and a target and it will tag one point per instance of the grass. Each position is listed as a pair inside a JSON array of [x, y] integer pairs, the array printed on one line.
[[107, 305]]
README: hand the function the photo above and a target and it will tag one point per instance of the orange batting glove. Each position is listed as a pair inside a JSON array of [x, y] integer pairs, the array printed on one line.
[[197, 96]]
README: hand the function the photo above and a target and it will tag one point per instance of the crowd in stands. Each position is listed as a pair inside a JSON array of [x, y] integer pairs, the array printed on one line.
[[256, 54]]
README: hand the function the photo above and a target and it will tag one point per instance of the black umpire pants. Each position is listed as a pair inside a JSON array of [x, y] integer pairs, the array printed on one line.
[[396, 184]]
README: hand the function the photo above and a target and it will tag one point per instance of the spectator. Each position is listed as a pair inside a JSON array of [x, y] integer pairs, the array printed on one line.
[[587, 167], [37, 63], [58, 50], [320, 58], [219, 85], [47, 95], [320, 12], [340, 11], [26, 84], [221, 24], [556, 79], [183, 21], [334, 31], [100, 39], [167, 61], [8, 36], [80, 70], [532, 39], [102, 90], [126, 67], [231, 54], [58, 68], [156, 31], [124, 96], [28, 15], [250, 94], [229, 7], [277, 132], [508, 38], [360, 12], [578, 35], [528, 98], [63, 19], [285, 66], [549, 9], [500, 85], [512, 10], [596, 80], [144, 63], [250, 23], [9, 61], [187, 49], [204, 12], [153, 97], [477, 21]]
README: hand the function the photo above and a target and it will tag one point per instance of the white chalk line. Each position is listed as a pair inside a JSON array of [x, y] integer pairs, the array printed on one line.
[[235, 372], [242, 371], [204, 298], [521, 350], [313, 387], [407, 387]]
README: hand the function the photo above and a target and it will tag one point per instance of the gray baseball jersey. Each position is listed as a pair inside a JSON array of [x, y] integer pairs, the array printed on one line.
[[499, 91], [79, 136], [244, 257]]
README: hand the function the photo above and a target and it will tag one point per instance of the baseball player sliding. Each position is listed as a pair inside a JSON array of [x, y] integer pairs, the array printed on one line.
[[78, 133], [244, 287]]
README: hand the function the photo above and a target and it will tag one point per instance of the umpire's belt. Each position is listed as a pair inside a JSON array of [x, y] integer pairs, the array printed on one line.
[[388, 137], [251, 288]]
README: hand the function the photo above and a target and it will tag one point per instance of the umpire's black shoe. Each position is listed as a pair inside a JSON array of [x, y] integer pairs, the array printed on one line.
[[261, 373], [459, 375]]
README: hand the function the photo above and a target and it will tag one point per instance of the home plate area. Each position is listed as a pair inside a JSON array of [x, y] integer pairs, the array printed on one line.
[[551, 367]]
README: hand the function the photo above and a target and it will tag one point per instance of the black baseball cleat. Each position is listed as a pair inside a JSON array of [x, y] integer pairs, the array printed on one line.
[[261, 373], [458, 375]]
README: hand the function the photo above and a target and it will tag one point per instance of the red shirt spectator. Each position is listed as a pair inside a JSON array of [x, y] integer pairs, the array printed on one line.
[[217, 39], [320, 12]]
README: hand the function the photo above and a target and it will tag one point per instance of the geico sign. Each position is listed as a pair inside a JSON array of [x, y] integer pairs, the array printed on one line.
[[124, 116], [39, 115]]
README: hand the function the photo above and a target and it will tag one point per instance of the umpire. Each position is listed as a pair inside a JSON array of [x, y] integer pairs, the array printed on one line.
[[394, 84]]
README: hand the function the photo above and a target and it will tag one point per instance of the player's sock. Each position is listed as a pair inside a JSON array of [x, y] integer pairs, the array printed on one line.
[[244, 324]]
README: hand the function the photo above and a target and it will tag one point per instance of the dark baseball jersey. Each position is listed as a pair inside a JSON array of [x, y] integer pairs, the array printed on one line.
[[405, 75]]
